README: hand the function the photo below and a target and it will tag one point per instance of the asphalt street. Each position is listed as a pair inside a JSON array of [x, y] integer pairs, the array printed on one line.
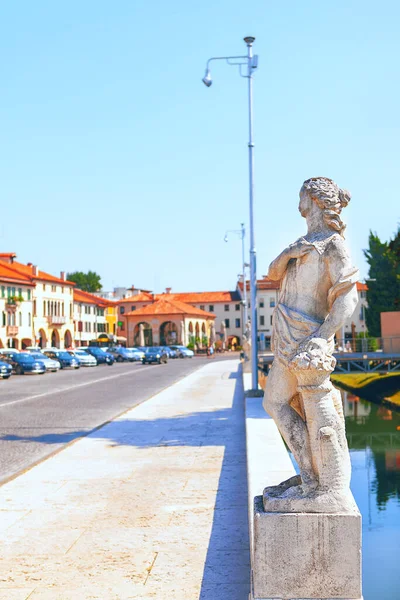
[[39, 414]]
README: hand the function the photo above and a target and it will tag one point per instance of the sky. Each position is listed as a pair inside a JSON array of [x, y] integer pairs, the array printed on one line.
[[116, 158]]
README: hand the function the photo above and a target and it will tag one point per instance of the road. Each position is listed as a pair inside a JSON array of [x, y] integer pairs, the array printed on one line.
[[39, 414]]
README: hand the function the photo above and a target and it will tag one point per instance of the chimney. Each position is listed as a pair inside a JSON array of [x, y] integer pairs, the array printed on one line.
[[63, 276], [35, 270], [29, 264], [168, 290]]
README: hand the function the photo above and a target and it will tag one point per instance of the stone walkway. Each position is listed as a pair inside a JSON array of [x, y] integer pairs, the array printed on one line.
[[151, 506]]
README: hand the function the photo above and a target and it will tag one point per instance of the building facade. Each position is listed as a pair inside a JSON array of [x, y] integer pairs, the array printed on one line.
[[16, 309], [167, 321], [90, 318], [52, 303]]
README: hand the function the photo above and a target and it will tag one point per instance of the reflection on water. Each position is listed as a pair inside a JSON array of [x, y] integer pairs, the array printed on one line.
[[373, 434]]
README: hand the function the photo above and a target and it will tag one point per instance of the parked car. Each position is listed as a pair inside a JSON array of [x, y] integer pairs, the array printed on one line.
[[155, 355], [122, 354], [5, 370], [85, 359], [183, 352], [24, 362], [103, 358], [49, 363], [64, 358], [137, 352], [170, 351]]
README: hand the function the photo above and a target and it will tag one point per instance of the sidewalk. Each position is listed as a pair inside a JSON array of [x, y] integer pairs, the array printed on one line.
[[151, 506]]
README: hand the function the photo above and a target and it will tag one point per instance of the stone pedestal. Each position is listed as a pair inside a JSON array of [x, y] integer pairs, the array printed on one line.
[[304, 556]]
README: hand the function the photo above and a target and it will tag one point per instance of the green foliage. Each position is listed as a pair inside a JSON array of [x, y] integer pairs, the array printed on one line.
[[204, 340], [383, 293], [15, 299], [370, 346], [88, 282], [190, 345]]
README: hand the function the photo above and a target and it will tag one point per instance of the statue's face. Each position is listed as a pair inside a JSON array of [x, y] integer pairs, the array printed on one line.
[[305, 203]]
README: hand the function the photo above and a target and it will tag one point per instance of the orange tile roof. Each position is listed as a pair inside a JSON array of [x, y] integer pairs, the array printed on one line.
[[142, 297], [361, 287], [170, 306], [10, 275], [87, 298], [42, 276], [200, 297]]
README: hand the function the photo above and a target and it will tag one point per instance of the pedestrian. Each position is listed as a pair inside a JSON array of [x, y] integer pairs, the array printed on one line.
[[212, 352]]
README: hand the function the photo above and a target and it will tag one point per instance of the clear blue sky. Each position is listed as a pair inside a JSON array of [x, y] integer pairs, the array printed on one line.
[[115, 157]]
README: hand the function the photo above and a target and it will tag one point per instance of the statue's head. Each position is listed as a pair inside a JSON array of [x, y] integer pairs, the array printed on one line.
[[325, 194]]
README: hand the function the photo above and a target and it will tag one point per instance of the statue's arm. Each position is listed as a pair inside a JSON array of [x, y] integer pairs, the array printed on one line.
[[278, 266], [343, 296]]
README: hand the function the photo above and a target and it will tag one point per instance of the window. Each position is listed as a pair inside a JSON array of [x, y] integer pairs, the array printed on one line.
[[362, 313], [133, 307], [363, 294], [29, 294], [62, 289], [4, 319], [270, 320], [53, 288], [227, 323], [211, 308], [237, 323], [29, 319], [237, 306], [3, 291], [44, 308], [19, 292], [226, 307], [20, 319], [122, 310], [262, 320], [272, 302], [34, 308], [202, 307], [261, 302]]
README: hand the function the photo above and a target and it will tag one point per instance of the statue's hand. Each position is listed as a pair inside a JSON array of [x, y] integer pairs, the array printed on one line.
[[298, 249], [313, 353]]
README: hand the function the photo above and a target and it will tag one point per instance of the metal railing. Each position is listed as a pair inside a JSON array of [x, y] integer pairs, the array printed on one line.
[[386, 345]]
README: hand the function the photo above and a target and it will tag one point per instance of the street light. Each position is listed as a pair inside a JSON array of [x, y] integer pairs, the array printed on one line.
[[241, 232], [251, 62]]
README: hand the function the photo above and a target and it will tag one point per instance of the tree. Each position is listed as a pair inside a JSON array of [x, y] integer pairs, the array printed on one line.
[[88, 282], [383, 293]]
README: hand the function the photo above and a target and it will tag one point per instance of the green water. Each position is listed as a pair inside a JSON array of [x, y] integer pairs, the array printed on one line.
[[373, 434]]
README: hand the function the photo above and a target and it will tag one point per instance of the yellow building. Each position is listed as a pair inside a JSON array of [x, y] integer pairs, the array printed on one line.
[[111, 314]]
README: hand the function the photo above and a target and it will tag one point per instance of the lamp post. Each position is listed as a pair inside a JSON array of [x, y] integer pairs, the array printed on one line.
[[241, 232], [250, 61]]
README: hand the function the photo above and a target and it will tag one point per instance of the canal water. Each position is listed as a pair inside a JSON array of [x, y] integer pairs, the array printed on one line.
[[373, 434]]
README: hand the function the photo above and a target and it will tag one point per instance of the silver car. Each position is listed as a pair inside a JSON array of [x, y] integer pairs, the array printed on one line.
[[85, 359], [49, 363]]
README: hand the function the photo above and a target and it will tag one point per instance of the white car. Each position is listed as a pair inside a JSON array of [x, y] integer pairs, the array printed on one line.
[[139, 354], [49, 363], [85, 359]]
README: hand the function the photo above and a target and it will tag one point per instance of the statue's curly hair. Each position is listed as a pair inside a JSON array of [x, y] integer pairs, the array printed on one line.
[[330, 199]]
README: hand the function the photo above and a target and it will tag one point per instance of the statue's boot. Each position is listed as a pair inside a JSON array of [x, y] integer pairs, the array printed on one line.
[[277, 490]]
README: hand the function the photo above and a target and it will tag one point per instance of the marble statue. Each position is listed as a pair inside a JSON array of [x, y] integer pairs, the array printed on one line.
[[247, 341], [317, 294]]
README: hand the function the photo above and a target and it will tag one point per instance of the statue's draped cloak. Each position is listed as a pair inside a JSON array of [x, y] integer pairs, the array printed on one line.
[[291, 326]]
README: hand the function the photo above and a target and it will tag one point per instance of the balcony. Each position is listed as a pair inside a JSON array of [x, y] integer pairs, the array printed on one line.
[[56, 320], [11, 330]]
